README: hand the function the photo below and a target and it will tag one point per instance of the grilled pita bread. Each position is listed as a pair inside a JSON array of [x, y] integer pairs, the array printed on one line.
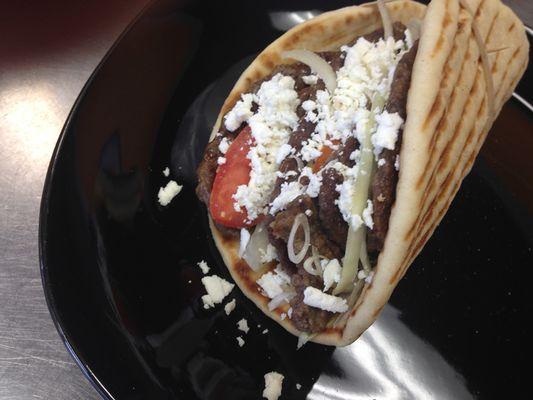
[[450, 108]]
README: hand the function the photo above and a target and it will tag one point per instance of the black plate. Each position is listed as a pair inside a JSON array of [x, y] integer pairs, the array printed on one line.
[[120, 272]]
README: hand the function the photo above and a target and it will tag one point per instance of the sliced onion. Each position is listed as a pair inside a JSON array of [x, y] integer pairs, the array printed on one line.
[[299, 162], [304, 338], [350, 262], [258, 241], [279, 299], [414, 25], [301, 219], [312, 264], [363, 256], [351, 300], [385, 18], [317, 64]]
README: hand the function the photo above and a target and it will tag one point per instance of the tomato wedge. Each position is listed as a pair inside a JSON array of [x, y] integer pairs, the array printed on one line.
[[230, 175]]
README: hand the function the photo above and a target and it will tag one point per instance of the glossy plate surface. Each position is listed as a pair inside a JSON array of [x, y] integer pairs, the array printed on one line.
[[120, 272]]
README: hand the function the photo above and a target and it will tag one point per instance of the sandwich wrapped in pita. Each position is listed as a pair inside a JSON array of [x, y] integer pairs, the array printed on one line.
[[341, 147]]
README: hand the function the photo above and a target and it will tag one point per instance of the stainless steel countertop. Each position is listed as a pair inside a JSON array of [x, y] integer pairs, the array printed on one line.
[[47, 52]]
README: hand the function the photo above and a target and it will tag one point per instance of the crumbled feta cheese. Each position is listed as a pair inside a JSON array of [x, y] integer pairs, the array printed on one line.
[[288, 192], [355, 155], [242, 325], [273, 283], [368, 69], [167, 193], [245, 238], [283, 316], [386, 134], [166, 172], [381, 162], [265, 332], [229, 307], [286, 175], [309, 105], [240, 341], [316, 298], [332, 273], [315, 181], [298, 386], [270, 254], [273, 385], [310, 79], [367, 214], [203, 266], [291, 190], [308, 213], [240, 113], [221, 160], [369, 278], [283, 151], [408, 38], [362, 274], [271, 127], [311, 148], [217, 288], [223, 146], [289, 312], [397, 162], [346, 194]]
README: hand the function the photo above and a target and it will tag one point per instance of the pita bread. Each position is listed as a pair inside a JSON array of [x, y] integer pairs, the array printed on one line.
[[448, 118]]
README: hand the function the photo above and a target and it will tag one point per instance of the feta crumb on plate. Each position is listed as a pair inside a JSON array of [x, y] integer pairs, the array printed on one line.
[[166, 172], [242, 325], [229, 307], [298, 386], [167, 193], [240, 341], [203, 266], [273, 384], [265, 332], [217, 288]]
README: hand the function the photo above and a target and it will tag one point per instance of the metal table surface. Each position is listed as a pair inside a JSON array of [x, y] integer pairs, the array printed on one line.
[[48, 50]]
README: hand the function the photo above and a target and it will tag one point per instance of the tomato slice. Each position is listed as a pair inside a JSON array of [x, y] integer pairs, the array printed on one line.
[[230, 175], [323, 158]]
